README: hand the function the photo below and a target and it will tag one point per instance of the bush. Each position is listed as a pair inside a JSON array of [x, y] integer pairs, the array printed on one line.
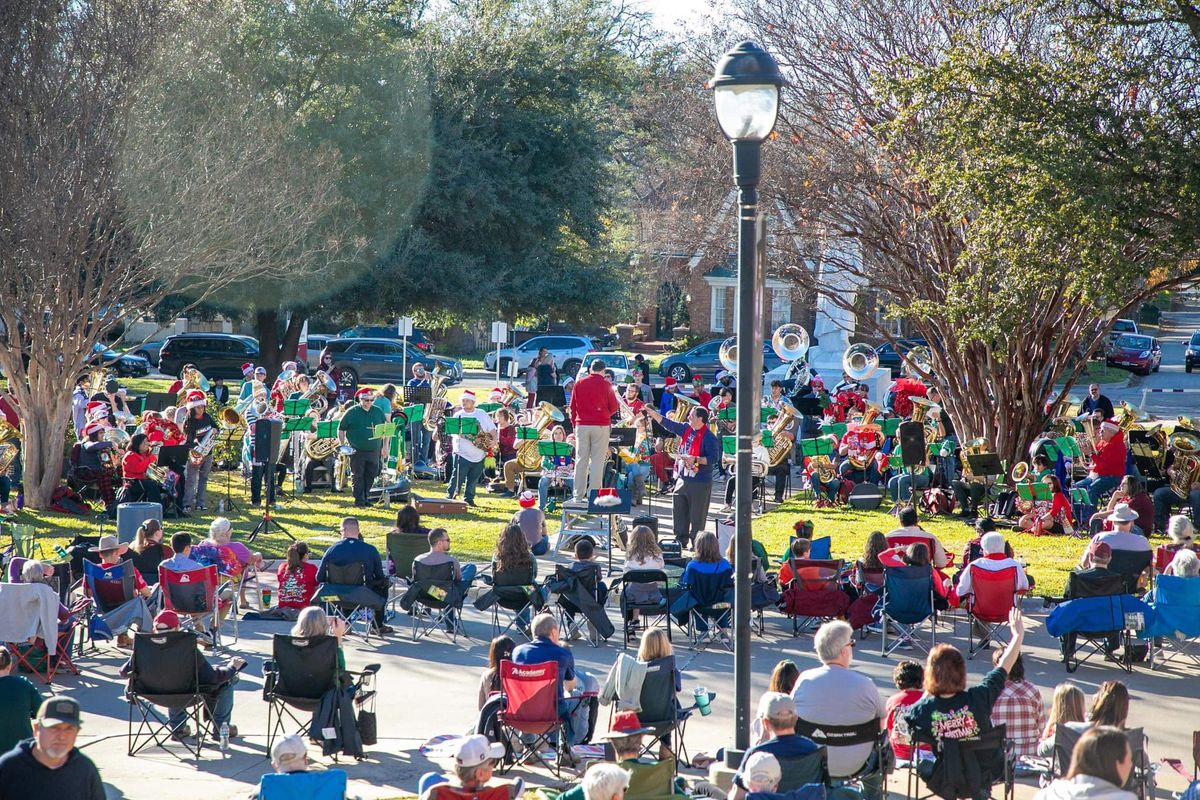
[[1150, 315]]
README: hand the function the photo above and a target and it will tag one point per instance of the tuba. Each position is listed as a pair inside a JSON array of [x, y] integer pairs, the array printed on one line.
[[860, 361], [436, 411], [975, 447], [510, 393], [230, 419], [927, 414], [868, 418], [1020, 472], [1186, 469], [9, 447], [320, 389], [528, 457], [782, 447], [683, 407], [192, 379], [822, 467]]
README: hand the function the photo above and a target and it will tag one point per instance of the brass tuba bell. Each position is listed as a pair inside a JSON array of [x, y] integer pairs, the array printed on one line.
[[860, 361]]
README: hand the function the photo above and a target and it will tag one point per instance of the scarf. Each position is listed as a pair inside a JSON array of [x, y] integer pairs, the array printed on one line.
[[690, 445]]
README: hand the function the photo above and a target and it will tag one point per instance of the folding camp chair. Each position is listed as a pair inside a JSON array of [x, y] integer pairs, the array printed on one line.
[[870, 732], [24, 541], [301, 670], [904, 540], [165, 672], [570, 619], [798, 771], [437, 601], [515, 602], [661, 710], [814, 593], [109, 587], [1093, 615], [1141, 778], [984, 761], [345, 595], [329, 784], [709, 615], [647, 611], [1175, 629], [993, 596], [403, 549], [195, 595], [40, 603], [1132, 564], [530, 707], [907, 603], [444, 791]]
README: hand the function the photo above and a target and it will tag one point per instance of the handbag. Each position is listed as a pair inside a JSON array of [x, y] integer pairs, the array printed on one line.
[[368, 727]]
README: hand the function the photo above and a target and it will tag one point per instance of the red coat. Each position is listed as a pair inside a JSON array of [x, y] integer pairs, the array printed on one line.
[[134, 465], [1110, 457], [593, 401]]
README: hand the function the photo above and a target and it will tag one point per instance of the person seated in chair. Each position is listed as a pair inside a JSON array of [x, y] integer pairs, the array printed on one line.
[[92, 469], [545, 647], [474, 760], [216, 684], [1101, 764], [1097, 558], [910, 528], [134, 610], [1122, 536], [139, 485], [778, 713], [1019, 708], [438, 554], [351, 549], [289, 759], [626, 738], [181, 561], [995, 558]]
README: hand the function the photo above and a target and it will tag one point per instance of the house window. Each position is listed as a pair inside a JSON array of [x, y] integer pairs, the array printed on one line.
[[781, 307], [717, 323]]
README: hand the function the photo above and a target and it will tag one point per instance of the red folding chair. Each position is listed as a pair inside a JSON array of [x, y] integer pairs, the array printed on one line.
[[814, 593], [195, 596], [444, 791], [904, 541], [35, 657], [530, 707], [993, 595]]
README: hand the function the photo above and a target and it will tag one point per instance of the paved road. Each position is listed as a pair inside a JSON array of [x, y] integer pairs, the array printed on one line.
[[1177, 327]]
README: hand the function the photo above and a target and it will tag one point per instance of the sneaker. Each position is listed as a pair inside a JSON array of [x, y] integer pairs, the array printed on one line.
[[233, 731], [726, 509], [576, 635], [384, 629], [873, 628]]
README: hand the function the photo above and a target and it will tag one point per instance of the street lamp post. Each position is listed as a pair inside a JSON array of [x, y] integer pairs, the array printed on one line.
[[746, 94]]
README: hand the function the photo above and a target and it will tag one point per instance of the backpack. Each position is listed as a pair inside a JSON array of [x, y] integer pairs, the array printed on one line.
[[66, 500]]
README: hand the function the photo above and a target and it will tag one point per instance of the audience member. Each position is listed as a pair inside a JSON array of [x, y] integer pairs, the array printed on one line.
[[605, 782], [869, 569], [149, 550], [799, 549], [297, 578], [1132, 492], [216, 684], [834, 694], [19, 703], [656, 644], [513, 564], [133, 611], [545, 647], [351, 549], [1066, 707], [783, 677], [408, 520], [778, 713], [1110, 707], [706, 560], [181, 548], [532, 521], [49, 766], [949, 709], [1019, 708], [585, 561], [909, 676], [1185, 564], [500, 649], [643, 554], [1121, 537], [474, 759], [910, 529], [313, 621], [1101, 763], [1098, 557], [993, 559], [762, 773]]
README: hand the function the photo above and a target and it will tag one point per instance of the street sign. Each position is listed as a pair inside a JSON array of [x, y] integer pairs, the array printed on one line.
[[499, 332], [404, 327]]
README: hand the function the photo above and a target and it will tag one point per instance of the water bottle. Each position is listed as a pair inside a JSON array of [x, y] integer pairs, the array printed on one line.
[[221, 506], [224, 736], [702, 701]]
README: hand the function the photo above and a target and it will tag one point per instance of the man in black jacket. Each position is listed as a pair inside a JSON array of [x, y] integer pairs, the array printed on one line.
[[48, 766], [216, 683]]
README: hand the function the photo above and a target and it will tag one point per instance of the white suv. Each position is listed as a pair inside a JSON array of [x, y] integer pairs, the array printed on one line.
[[568, 351]]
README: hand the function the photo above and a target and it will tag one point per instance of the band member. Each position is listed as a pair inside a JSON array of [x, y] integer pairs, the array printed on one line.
[[1108, 462], [699, 452], [826, 492], [506, 438], [1167, 499], [97, 464], [633, 397], [700, 391], [859, 447], [79, 401], [247, 377], [592, 407], [759, 455], [667, 402], [1052, 516], [556, 470], [637, 458], [116, 397], [357, 429], [468, 456], [134, 466], [198, 428], [177, 385]]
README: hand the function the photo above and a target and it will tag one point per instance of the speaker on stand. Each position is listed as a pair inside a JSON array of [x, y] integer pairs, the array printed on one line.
[[912, 453]]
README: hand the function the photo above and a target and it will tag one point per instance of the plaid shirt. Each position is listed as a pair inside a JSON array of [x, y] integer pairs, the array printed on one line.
[[1020, 709]]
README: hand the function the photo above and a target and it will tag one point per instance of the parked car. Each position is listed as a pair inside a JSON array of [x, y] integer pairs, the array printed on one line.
[[148, 351], [1139, 353], [1191, 353], [217, 355], [889, 356], [568, 350], [619, 363], [1122, 326], [703, 360], [316, 343], [383, 361], [418, 337], [126, 365]]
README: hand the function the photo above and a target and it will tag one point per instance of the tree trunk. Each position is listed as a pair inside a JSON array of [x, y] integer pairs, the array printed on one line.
[[43, 435], [274, 349]]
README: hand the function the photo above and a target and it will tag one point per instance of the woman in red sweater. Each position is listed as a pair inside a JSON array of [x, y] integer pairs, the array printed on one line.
[[134, 466], [1053, 517], [297, 578]]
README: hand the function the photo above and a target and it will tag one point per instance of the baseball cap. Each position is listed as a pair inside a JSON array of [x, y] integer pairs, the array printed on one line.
[[776, 705], [167, 619], [59, 710], [1101, 550], [289, 754], [762, 769], [475, 749]]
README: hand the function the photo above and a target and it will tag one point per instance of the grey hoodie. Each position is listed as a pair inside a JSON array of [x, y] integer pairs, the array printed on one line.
[[1083, 787]]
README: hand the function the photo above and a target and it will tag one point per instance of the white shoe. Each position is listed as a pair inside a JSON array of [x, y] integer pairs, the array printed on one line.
[[726, 509]]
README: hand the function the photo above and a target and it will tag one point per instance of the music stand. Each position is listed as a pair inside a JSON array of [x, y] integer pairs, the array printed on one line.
[[175, 456], [234, 438], [416, 395], [622, 437], [816, 446], [460, 426], [985, 465], [888, 427], [157, 401], [265, 523], [551, 393]]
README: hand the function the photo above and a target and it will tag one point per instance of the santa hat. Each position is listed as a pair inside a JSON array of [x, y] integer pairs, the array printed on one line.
[[496, 394], [247, 369], [697, 378], [1111, 422], [97, 408], [195, 398], [817, 381], [92, 427], [607, 497], [363, 392], [289, 366], [467, 395], [669, 381], [527, 499]]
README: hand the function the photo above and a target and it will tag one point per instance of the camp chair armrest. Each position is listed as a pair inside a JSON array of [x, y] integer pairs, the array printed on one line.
[[369, 669]]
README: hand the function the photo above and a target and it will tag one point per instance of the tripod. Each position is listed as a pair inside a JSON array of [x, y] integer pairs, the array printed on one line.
[[267, 521]]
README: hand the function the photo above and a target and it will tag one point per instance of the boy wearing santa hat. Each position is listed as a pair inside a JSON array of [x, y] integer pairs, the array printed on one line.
[[196, 427]]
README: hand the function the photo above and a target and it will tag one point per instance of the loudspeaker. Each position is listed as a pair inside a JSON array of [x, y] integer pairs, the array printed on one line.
[[265, 444], [865, 497], [549, 393], [912, 443]]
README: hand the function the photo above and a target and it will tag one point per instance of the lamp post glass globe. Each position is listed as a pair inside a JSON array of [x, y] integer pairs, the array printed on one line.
[[746, 112]]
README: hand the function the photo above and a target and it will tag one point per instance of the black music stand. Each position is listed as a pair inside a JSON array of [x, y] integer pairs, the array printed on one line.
[[175, 456], [551, 393], [808, 406], [157, 401], [985, 465], [234, 438], [267, 521], [416, 395], [622, 437]]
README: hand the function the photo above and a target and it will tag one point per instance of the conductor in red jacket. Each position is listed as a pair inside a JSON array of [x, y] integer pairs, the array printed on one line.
[[593, 403]]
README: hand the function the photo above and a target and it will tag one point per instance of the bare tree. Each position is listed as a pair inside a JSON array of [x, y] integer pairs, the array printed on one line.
[[120, 189]]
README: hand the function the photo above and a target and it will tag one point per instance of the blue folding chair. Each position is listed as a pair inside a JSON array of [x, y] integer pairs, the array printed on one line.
[[707, 603], [1175, 629], [907, 604], [327, 785], [821, 549]]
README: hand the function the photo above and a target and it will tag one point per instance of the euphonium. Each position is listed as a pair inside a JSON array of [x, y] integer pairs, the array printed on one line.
[[1127, 417], [510, 393], [436, 411], [192, 379], [928, 415], [204, 445], [320, 389], [782, 446], [975, 447], [1020, 472], [627, 416], [1186, 469], [823, 467], [528, 456], [9, 436]]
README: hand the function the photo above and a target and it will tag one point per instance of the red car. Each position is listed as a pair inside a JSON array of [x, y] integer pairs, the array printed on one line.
[[1139, 353]]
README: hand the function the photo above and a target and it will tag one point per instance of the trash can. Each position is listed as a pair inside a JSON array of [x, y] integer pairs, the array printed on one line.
[[130, 517]]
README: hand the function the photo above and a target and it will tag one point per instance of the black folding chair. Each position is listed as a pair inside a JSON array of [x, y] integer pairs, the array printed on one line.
[[798, 771], [710, 616], [436, 601], [570, 619], [660, 708], [869, 732], [984, 761], [646, 610], [301, 670], [1092, 643], [352, 606], [165, 673], [1132, 564]]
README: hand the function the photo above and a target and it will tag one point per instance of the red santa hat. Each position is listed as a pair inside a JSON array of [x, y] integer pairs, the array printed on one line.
[[527, 499], [468, 395], [1111, 422], [496, 394], [92, 427], [363, 392], [195, 398], [97, 407], [669, 381], [247, 369]]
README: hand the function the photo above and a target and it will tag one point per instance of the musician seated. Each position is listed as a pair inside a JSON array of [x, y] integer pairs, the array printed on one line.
[[138, 484], [860, 448], [1131, 491], [556, 470], [1053, 517], [637, 459], [92, 468], [1108, 462], [1169, 497], [902, 485]]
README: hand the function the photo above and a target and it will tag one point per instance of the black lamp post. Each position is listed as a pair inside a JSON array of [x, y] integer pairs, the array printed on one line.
[[746, 93]]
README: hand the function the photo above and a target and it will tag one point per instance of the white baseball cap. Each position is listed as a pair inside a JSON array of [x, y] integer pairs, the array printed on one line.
[[762, 769], [290, 754], [475, 749]]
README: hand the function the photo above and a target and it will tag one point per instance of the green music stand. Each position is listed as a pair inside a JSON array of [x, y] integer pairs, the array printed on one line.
[[385, 430], [768, 439], [888, 427], [819, 446], [1080, 496], [527, 434], [728, 413], [302, 424], [327, 430], [296, 408], [838, 429], [555, 449], [765, 414], [461, 426], [729, 445], [1068, 446], [414, 413], [1034, 491], [489, 408], [1051, 451]]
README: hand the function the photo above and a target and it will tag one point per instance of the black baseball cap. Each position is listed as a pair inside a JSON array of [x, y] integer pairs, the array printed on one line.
[[59, 710]]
